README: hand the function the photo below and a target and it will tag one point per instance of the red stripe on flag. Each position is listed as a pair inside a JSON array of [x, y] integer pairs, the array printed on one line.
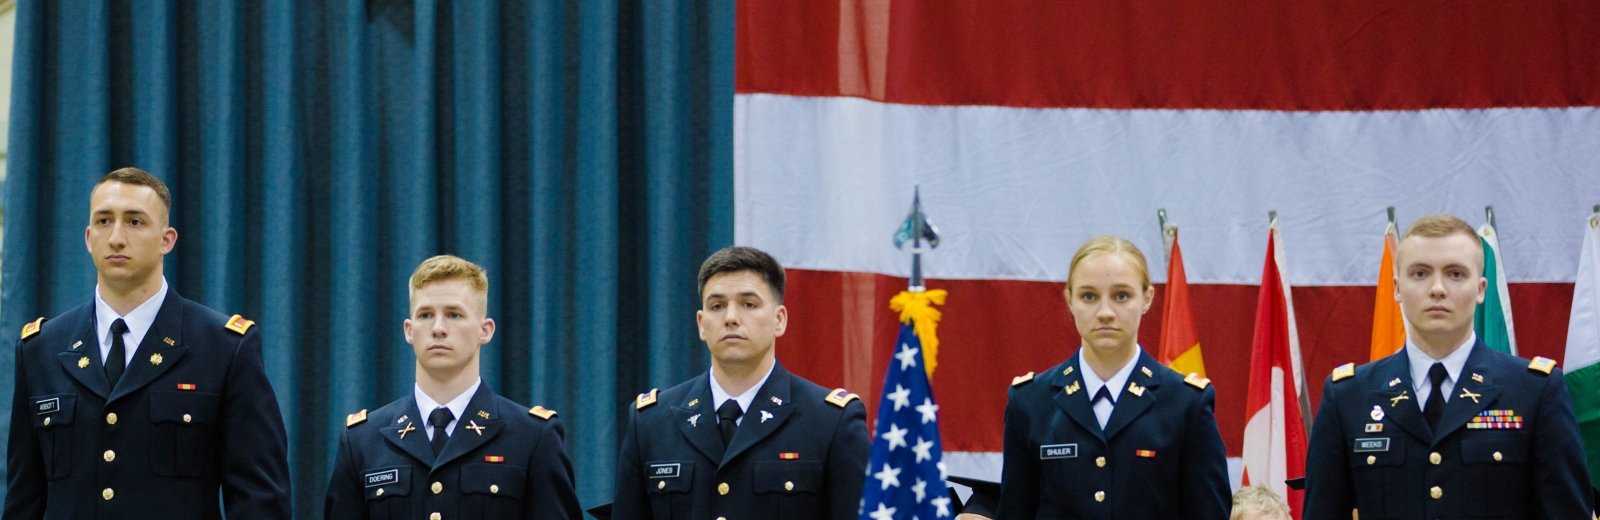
[[1361, 55], [993, 330]]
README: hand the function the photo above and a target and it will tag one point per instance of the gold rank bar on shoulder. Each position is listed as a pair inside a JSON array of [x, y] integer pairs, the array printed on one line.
[[1542, 365], [355, 418], [1022, 379], [840, 397], [541, 412], [238, 324], [1345, 371], [1196, 381], [646, 399], [32, 327]]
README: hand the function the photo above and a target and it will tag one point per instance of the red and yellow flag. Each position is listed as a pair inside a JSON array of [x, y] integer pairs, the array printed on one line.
[[1388, 327], [1180, 345]]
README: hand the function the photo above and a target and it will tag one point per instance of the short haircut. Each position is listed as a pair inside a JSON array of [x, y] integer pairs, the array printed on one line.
[[740, 258], [1110, 244], [1260, 500], [446, 268], [1440, 225], [138, 177]]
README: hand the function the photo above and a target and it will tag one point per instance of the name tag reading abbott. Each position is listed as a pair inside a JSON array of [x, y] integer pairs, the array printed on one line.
[[50, 405], [1058, 451]]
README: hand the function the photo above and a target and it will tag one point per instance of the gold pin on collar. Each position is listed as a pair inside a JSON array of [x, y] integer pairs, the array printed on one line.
[[1477, 378], [1135, 389], [155, 359], [169, 341], [1067, 371], [83, 362], [1468, 394], [410, 427], [483, 414], [473, 425], [402, 419], [1394, 382], [1072, 388], [1395, 401], [77, 344], [693, 402], [777, 401]]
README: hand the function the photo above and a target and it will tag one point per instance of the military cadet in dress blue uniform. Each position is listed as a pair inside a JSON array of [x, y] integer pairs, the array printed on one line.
[[141, 403], [1446, 428], [452, 449], [746, 439], [1111, 433]]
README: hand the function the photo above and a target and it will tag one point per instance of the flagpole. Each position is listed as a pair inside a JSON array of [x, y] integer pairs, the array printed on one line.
[[1168, 232], [916, 229]]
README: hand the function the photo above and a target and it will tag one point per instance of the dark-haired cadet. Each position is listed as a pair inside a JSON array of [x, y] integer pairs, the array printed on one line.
[[746, 439]]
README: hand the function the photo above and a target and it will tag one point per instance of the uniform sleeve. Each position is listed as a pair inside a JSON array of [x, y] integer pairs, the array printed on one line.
[[628, 498], [345, 500], [1328, 494], [550, 481], [25, 491], [847, 462], [1205, 463], [1019, 472], [255, 465], [1562, 488]]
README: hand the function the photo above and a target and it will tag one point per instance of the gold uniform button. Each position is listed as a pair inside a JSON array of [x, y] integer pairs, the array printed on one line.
[[1100, 462], [661, 485], [107, 493], [111, 418], [494, 488], [437, 488], [722, 518], [1497, 456], [46, 421], [110, 455], [722, 489], [187, 418], [378, 493], [1372, 459], [1435, 492], [1435, 458], [1099, 496], [788, 486], [434, 516]]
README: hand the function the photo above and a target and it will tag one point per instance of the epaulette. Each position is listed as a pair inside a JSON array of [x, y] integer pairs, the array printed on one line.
[[541, 412], [1022, 379], [646, 399], [32, 328], [1196, 381], [238, 324], [355, 418], [1345, 371], [1542, 365], [840, 397]]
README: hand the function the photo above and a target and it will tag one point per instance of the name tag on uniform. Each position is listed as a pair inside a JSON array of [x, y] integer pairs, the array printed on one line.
[[383, 478], [51, 405], [1372, 445], [668, 470], [1058, 451]]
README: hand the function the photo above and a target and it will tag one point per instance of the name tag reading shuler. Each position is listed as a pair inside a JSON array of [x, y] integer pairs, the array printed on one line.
[[1058, 451]]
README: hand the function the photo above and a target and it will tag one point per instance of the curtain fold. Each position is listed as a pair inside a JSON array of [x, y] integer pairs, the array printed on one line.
[[581, 151]]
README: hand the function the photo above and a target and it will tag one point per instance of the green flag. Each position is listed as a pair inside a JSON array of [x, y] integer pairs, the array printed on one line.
[[1583, 346], [1493, 319]]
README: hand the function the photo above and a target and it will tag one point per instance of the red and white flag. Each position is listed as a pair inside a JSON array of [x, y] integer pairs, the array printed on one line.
[[1275, 428]]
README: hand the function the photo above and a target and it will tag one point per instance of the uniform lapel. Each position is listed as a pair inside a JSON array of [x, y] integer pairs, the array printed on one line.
[[1071, 398], [1134, 400], [767, 413], [81, 358], [154, 356], [1470, 395], [473, 429], [696, 420], [1395, 400], [407, 435]]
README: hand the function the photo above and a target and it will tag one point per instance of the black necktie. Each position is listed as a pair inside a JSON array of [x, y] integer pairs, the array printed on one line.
[[440, 418], [117, 360], [1104, 393], [1435, 405], [728, 419]]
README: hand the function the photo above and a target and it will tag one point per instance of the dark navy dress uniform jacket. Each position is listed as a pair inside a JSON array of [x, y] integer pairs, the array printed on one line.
[[192, 415], [1372, 450], [501, 462], [1159, 455], [795, 455]]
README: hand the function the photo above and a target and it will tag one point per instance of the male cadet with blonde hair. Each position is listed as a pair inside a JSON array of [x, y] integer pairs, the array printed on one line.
[[1445, 428], [141, 403], [745, 439], [452, 449]]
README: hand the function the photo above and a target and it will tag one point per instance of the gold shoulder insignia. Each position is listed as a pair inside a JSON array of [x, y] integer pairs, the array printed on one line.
[[32, 328], [1542, 365], [840, 397], [1022, 379], [542, 412], [355, 418], [646, 399], [1345, 371], [238, 324], [1196, 381]]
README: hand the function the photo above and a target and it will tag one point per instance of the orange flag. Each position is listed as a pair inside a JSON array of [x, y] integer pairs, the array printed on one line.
[[1388, 327], [1180, 345]]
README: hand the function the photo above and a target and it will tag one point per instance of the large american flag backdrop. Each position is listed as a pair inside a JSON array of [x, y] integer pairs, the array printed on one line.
[[1033, 126]]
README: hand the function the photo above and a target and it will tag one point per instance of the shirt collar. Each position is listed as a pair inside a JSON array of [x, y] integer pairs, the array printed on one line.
[[457, 405], [139, 320], [718, 395], [1092, 382], [1454, 362]]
